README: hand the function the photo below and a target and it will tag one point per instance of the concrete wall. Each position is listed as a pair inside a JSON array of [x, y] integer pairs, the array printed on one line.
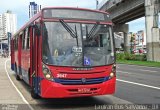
[[125, 29], [152, 30]]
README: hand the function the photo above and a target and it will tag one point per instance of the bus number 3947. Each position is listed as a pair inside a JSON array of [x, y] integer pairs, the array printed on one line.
[[61, 75]]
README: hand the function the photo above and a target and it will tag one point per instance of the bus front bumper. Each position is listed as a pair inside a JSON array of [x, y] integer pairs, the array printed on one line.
[[55, 90]]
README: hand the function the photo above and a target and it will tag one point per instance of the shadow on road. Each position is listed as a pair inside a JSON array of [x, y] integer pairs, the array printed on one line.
[[74, 103]]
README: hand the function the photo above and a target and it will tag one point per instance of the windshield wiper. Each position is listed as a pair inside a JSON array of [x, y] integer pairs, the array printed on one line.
[[70, 30], [92, 30], [76, 35]]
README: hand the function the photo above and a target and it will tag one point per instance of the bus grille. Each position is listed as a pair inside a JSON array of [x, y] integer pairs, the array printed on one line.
[[82, 81]]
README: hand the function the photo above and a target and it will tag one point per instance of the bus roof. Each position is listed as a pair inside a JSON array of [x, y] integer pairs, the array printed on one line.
[[75, 8], [39, 14]]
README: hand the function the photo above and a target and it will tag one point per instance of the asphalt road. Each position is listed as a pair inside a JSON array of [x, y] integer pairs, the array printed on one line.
[[135, 84], [138, 84]]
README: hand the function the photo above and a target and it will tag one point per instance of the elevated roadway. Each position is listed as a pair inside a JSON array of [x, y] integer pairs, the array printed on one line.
[[123, 11]]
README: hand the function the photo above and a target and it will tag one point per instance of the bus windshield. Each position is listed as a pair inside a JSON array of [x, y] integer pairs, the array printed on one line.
[[77, 44]]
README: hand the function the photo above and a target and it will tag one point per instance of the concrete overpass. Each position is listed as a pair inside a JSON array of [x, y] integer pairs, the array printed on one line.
[[123, 11]]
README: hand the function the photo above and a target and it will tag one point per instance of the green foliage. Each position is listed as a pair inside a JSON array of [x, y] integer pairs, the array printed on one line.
[[120, 56], [142, 63], [141, 57], [132, 39], [128, 56]]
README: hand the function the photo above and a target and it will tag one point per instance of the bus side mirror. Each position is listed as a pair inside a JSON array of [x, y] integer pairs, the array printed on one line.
[[37, 29]]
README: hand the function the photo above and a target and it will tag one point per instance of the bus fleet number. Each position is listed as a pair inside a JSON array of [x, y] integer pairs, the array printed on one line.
[[61, 75]]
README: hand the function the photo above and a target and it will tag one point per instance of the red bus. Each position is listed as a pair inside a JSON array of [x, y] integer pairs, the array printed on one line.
[[66, 52]]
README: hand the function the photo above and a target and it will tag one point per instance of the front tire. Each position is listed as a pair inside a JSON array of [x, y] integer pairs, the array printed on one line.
[[33, 94]]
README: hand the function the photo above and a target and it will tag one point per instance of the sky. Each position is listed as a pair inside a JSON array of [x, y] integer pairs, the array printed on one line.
[[137, 25], [20, 8]]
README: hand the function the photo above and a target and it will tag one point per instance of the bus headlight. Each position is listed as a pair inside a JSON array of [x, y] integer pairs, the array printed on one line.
[[113, 73], [48, 76], [47, 73]]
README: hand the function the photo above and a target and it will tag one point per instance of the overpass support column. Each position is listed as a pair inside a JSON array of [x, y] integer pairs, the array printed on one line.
[[125, 29], [152, 30]]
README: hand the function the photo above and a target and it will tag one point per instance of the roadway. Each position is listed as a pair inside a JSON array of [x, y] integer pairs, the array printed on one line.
[[135, 84], [138, 84]]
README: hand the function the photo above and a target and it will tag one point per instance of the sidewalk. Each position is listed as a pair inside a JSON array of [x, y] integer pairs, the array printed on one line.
[[8, 94]]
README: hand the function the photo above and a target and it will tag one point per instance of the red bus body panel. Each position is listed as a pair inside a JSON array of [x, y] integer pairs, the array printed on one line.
[[31, 62], [55, 90], [50, 89]]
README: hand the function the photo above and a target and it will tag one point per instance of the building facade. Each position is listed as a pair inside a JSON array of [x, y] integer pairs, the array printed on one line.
[[1, 27], [137, 41], [8, 23]]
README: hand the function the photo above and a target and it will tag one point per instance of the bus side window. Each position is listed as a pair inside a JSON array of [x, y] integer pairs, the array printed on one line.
[[16, 43], [28, 38], [23, 40]]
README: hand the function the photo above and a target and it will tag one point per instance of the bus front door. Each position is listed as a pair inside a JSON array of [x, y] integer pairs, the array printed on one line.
[[34, 82]]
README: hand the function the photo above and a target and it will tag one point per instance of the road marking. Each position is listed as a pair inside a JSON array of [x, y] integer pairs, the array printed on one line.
[[144, 85], [16, 87], [124, 72], [148, 71]]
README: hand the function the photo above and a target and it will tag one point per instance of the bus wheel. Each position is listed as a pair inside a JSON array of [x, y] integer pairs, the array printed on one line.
[[17, 76], [33, 94]]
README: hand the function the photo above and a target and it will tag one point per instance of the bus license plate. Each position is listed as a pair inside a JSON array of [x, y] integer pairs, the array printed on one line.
[[83, 90]]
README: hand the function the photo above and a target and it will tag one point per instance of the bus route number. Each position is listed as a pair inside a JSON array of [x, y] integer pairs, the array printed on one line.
[[61, 75]]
